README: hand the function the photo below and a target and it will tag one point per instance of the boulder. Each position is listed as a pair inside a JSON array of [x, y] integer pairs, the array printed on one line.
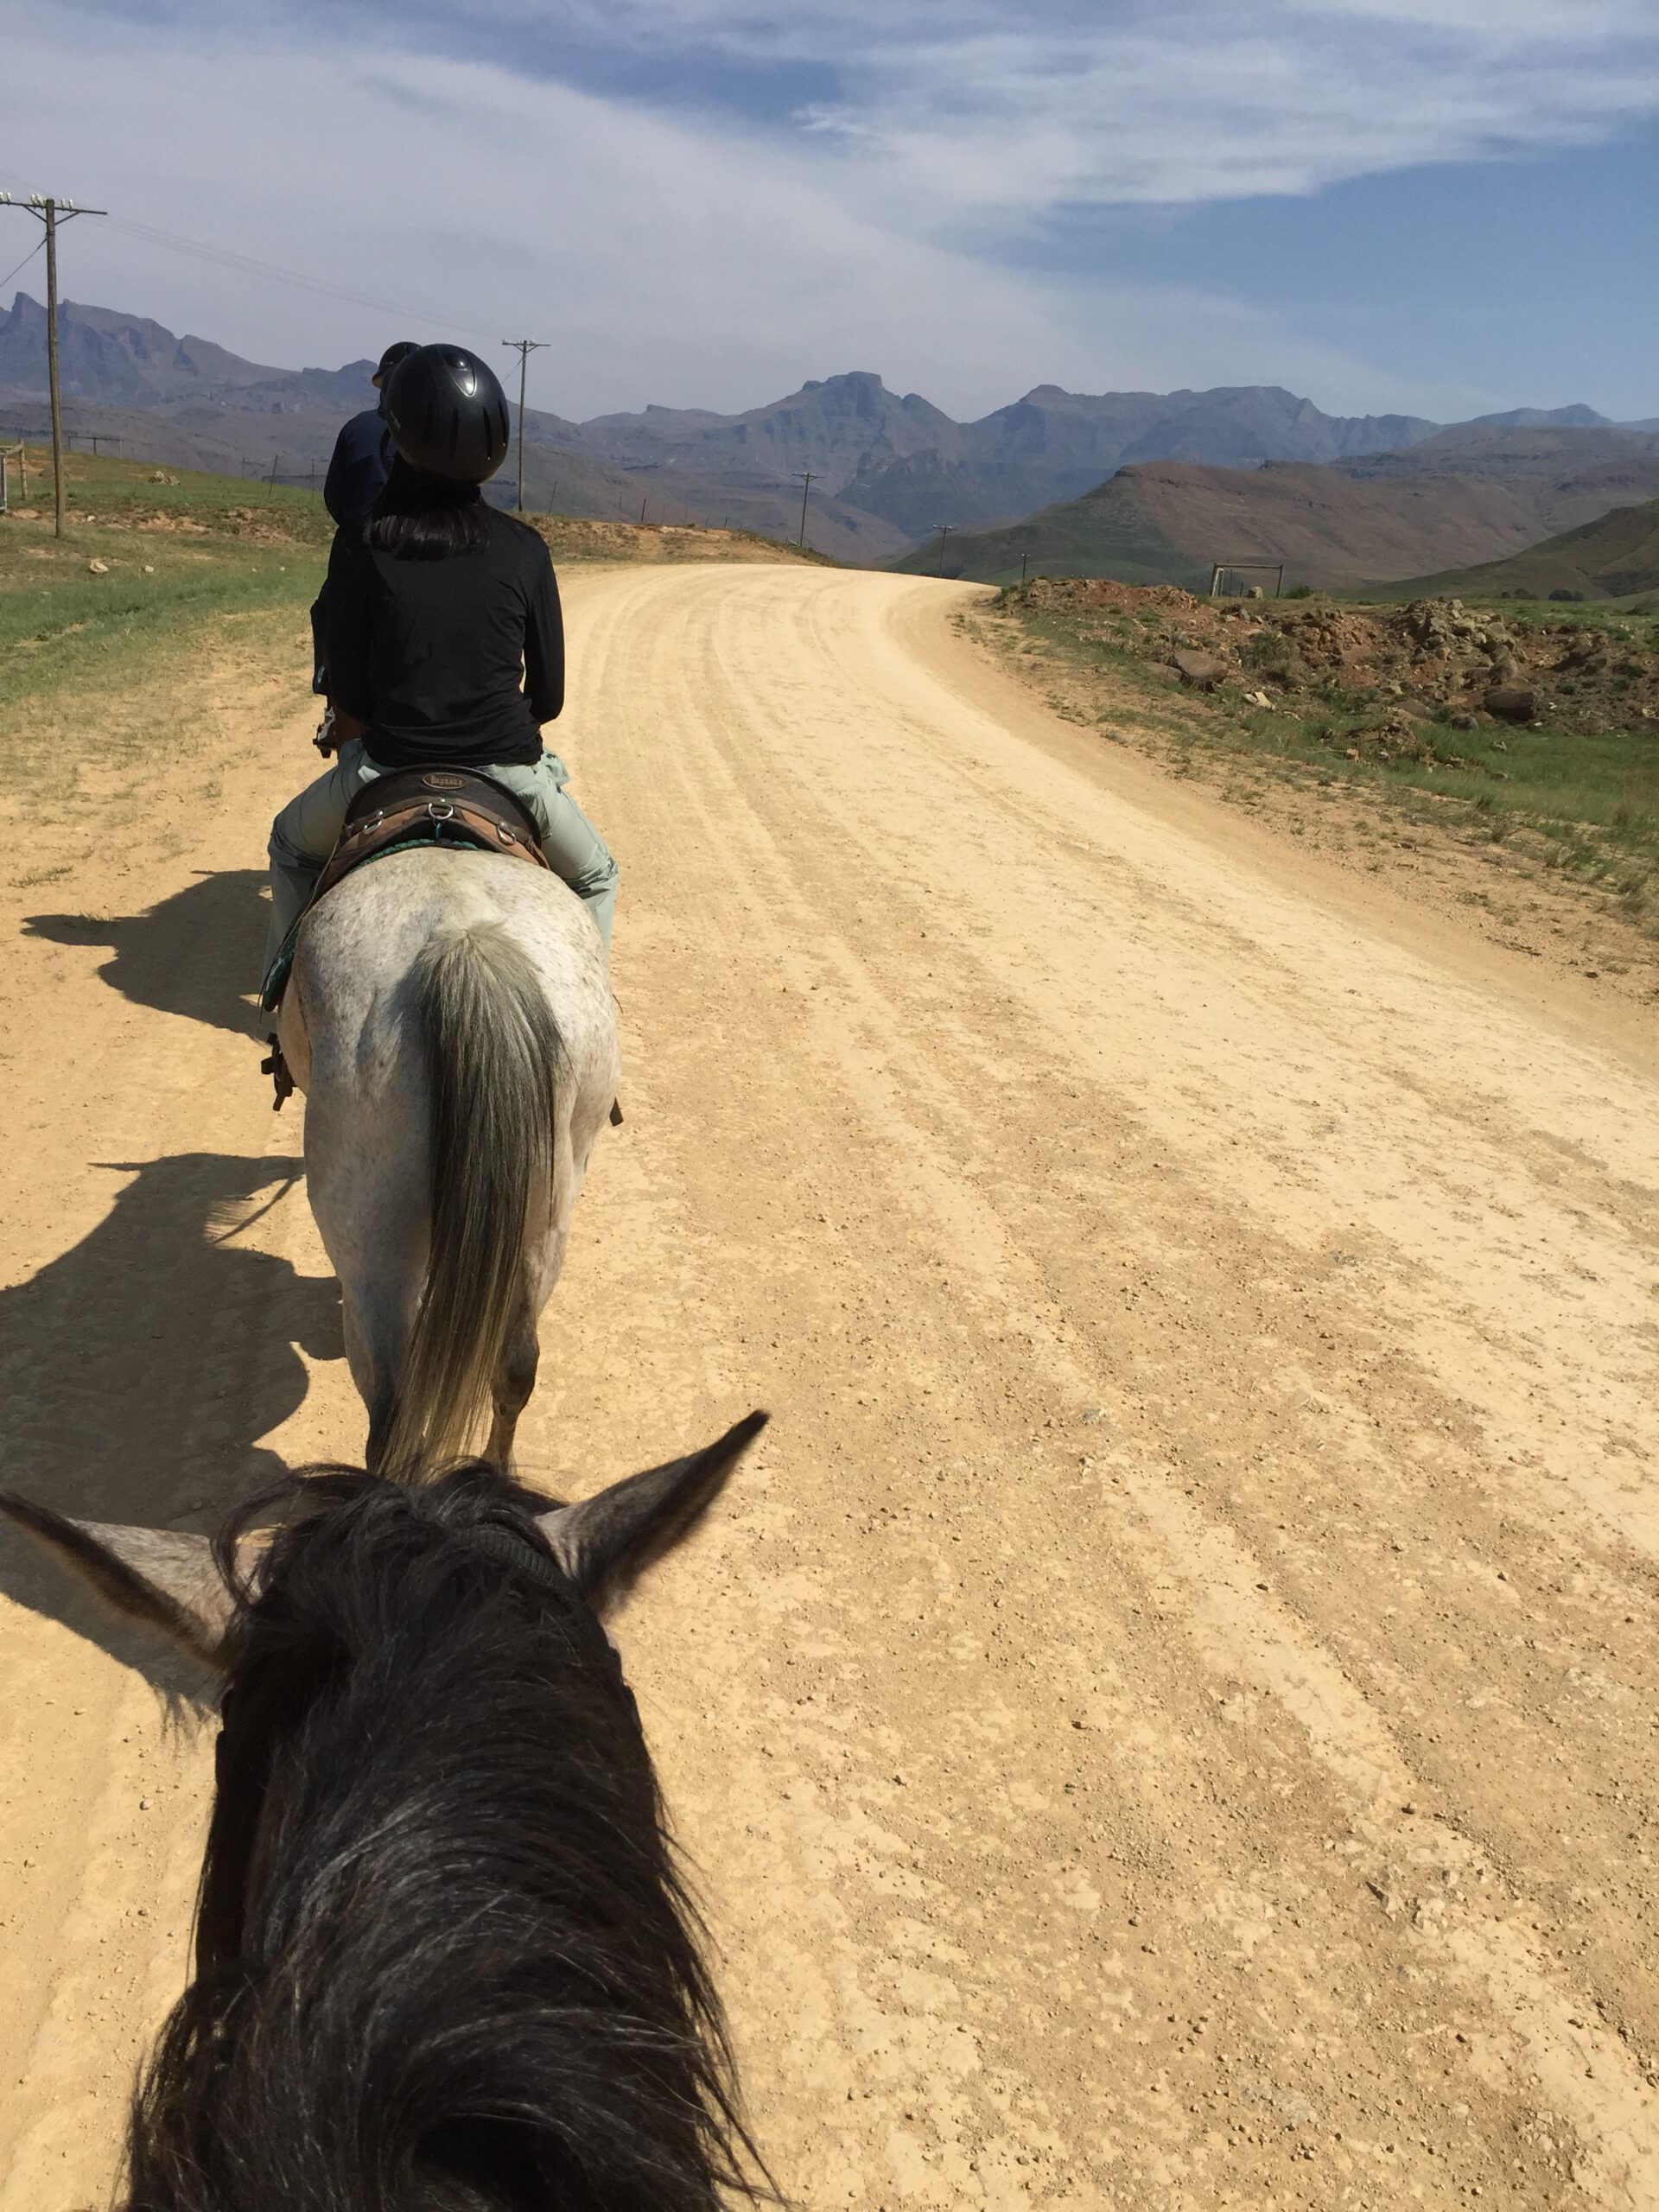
[[1512, 702], [1201, 670]]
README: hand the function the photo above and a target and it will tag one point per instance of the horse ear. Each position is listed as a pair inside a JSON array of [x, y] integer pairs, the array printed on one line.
[[157, 1576], [606, 1542]]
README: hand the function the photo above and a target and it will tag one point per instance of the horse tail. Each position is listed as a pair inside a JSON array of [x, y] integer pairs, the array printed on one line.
[[493, 1055]]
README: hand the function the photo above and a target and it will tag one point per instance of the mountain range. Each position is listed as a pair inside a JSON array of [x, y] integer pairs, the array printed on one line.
[[888, 469], [1478, 494]]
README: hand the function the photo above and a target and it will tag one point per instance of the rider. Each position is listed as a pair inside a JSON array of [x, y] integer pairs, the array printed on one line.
[[362, 457], [358, 468], [442, 637]]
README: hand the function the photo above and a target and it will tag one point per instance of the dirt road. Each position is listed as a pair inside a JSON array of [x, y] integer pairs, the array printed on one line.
[[1169, 1718]]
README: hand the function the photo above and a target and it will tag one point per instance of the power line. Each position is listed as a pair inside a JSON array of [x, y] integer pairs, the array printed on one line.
[[227, 259], [38, 247]]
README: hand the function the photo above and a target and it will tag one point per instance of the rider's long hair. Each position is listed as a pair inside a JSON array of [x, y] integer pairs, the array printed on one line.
[[423, 518]]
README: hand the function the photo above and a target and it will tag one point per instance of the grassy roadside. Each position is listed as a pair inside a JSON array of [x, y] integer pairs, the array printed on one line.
[[149, 560], [1332, 696], [1542, 838], [116, 642], [573, 539]]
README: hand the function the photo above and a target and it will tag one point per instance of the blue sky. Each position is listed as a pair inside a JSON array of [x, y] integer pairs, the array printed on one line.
[[1440, 206]]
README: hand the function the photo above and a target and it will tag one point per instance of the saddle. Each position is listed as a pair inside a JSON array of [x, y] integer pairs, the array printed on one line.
[[453, 807]]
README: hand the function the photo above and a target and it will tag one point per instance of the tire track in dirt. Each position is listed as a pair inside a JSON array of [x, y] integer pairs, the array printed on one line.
[[1167, 1720]]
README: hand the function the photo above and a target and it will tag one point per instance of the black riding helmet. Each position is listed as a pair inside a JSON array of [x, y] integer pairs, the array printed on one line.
[[448, 414], [399, 352]]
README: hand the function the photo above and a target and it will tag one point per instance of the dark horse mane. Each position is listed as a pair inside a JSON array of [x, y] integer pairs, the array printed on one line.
[[444, 1956]]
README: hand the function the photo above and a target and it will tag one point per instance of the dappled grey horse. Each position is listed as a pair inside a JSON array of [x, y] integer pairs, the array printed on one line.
[[450, 1018]]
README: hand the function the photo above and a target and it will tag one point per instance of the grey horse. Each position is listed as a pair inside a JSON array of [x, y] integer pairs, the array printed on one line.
[[450, 1018]]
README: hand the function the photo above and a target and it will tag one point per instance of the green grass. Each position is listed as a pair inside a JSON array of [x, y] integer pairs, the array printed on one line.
[[176, 556]]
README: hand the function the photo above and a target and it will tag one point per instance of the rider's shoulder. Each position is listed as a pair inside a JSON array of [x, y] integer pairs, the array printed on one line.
[[524, 535]]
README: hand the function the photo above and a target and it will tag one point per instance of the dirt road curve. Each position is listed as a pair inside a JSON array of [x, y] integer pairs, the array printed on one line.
[[1169, 1720]]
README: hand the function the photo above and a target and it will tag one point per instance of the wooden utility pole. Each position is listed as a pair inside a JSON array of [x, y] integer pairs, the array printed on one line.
[[807, 481], [945, 529], [53, 212], [523, 347]]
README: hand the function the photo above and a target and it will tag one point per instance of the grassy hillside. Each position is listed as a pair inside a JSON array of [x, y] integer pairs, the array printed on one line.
[[1107, 533], [1330, 531], [1166, 522], [150, 556], [1611, 558]]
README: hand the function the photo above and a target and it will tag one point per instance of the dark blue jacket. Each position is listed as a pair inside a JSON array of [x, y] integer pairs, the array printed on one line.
[[356, 473]]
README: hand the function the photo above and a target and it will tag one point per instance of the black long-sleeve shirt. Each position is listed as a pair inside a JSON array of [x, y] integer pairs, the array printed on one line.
[[357, 467], [430, 653]]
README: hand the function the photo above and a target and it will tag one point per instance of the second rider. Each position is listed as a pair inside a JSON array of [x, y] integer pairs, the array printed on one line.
[[441, 631]]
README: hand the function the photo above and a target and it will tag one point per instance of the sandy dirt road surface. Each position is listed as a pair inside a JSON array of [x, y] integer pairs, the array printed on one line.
[[1169, 1717]]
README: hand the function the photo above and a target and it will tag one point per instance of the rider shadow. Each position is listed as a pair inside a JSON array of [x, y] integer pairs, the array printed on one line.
[[194, 954], [138, 1370]]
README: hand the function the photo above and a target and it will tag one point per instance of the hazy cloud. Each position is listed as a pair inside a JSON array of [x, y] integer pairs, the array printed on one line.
[[710, 253]]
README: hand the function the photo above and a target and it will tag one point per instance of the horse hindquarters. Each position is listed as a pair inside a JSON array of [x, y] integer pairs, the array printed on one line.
[[458, 1040]]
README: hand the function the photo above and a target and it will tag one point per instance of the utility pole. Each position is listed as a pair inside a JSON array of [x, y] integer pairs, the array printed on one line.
[[945, 529], [642, 511], [53, 212], [1024, 559], [523, 347], [807, 481]]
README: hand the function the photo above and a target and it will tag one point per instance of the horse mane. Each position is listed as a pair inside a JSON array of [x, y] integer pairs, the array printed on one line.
[[445, 1961]]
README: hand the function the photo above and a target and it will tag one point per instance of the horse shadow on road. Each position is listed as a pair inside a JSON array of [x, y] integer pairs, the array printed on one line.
[[192, 954], [139, 1369]]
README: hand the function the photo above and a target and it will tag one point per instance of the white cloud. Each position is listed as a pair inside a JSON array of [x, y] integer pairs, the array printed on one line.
[[1004, 117], [699, 258]]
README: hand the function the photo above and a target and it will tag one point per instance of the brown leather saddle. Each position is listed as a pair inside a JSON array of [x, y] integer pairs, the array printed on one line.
[[453, 807], [432, 806]]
